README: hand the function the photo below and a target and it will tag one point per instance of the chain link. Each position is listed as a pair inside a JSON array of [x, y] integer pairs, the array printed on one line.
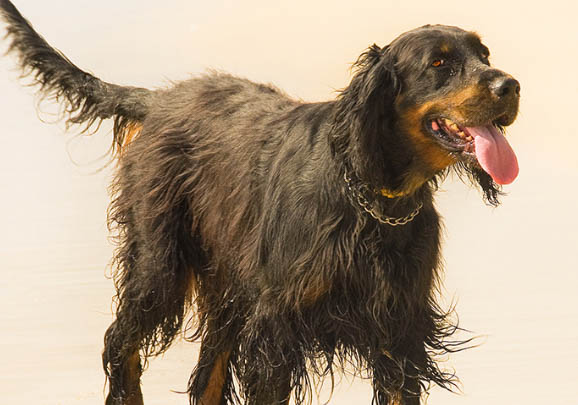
[[358, 193]]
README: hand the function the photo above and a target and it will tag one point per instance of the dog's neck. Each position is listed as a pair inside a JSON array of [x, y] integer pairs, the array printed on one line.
[[393, 208]]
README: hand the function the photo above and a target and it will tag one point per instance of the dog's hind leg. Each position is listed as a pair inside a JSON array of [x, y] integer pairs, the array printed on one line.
[[212, 376], [126, 382], [149, 315], [153, 300], [157, 263], [412, 392], [211, 382]]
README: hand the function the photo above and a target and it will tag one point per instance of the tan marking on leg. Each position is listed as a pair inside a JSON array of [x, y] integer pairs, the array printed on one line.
[[131, 379], [213, 393], [311, 293], [129, 134]]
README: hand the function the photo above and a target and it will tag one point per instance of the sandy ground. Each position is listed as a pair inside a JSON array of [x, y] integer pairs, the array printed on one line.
[[512, 270]]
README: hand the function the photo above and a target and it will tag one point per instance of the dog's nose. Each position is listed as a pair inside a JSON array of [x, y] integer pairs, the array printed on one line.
[[505, 86]]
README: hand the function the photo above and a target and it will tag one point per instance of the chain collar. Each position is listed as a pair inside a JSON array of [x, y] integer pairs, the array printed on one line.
[[358, 192]]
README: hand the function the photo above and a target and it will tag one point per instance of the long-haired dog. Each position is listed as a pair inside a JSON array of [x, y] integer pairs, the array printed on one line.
[[303, 236]]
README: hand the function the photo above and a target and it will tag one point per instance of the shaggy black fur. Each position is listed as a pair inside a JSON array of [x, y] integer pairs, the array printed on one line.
[[230, 200]]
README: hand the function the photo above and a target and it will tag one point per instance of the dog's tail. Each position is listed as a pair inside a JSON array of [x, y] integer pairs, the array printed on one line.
[[87, 98]]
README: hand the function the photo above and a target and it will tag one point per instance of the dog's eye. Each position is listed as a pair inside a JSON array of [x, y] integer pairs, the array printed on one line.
[[438, 62]]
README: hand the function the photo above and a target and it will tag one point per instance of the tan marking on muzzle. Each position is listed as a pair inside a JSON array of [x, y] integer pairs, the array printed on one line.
[[434, 155]]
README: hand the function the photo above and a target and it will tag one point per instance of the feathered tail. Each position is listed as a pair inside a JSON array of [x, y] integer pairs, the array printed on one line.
[[87, 99]]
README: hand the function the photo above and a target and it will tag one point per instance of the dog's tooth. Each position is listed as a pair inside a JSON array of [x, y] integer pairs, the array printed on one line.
[[454, 127]]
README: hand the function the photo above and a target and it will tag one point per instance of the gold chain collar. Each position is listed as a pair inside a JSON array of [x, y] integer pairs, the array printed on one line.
[[357, 191]]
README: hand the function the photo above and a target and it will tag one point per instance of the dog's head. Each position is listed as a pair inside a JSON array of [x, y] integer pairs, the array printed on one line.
[[429, 101]]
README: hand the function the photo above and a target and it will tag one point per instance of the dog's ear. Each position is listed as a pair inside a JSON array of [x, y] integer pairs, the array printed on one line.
[[364, 115], [375, 82]]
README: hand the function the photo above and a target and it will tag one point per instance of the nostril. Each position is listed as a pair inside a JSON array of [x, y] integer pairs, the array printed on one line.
[[505, 86]]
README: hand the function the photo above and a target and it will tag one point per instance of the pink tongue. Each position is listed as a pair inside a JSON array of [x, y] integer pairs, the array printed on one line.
[[495, 154]]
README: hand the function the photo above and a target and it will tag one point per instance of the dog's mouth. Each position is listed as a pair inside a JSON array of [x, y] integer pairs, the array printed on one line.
[[451, 136], [484, 144]]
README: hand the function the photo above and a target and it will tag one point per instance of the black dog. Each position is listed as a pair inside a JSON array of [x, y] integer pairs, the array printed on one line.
[[303, 236]]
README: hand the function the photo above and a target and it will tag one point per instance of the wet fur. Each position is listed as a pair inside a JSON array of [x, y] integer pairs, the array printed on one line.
[[230, 201]]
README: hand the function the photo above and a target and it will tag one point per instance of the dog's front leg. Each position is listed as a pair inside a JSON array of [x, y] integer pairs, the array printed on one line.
[[395, 381], [125, 383]]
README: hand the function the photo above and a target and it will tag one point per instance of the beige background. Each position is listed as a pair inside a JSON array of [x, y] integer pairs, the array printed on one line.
[[511, 270]]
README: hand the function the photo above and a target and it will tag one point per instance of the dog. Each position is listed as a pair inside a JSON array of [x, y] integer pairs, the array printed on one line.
[[302, 237]]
